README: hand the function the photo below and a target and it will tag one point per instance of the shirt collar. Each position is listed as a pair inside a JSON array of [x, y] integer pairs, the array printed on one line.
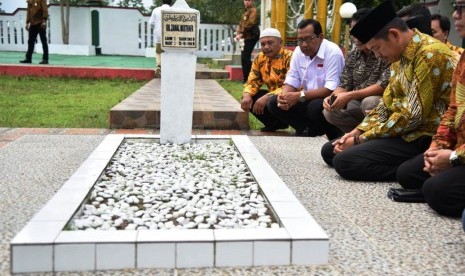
[[413, 45], [321, 51]]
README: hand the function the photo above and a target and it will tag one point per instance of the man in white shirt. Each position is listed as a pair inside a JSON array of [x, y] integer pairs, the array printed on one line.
[[314, 73], [155, 21]]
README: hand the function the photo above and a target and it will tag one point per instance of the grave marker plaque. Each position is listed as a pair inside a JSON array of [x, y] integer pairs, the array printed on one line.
[[180, 30]]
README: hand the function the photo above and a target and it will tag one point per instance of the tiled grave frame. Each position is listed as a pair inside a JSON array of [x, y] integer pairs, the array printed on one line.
[[43, 246]]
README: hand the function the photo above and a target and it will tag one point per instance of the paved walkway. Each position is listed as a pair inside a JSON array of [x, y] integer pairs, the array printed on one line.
[[102, 66], [369, 234], [82, 61], [214, 108], [8, 135]]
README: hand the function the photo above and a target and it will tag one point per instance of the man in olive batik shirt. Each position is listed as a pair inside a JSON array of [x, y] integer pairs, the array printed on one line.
[[402, 125]]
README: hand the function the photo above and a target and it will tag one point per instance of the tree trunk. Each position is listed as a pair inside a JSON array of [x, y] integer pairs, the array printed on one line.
[[65, 21]]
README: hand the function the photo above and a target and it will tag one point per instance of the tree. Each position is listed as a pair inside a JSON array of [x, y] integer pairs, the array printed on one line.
[[215, 11], [373, 3], [155, 3], [65, 7], [133, 4], [226, 12], [1, 10], [65, 20]]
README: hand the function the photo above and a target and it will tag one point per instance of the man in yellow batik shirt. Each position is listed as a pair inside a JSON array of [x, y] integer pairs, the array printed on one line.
[[268, 68], [402, 125]]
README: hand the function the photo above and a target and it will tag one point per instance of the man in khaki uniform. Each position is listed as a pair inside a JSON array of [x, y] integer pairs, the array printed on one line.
[[36, 24]]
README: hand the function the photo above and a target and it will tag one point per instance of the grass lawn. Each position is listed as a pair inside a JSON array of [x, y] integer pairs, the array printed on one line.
[[72, 103], [235, 88], [60, 102]]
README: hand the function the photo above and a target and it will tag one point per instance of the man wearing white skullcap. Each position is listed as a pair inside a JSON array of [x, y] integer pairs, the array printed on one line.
[[269, 68]]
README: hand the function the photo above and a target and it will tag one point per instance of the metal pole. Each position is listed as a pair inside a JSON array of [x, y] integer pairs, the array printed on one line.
[[281, 18], [322, 13], [308, 14], [273, 14], [336, 31]]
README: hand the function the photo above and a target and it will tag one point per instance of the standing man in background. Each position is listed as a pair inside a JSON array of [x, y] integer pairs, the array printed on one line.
[[248, 33], [155, 21], [36, 24]]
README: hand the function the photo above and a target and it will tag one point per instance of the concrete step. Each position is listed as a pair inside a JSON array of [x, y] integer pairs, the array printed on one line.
[[214, 108], [236, 58], [203, 72], [222, 62]]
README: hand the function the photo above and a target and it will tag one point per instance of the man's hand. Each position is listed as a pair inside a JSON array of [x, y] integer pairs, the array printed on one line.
[[326, 104], [436, 160], [260, 105], [27, 27], [286, 100], [346, 141], [43, 25], [343, 143], [341, 101], [246, 102]]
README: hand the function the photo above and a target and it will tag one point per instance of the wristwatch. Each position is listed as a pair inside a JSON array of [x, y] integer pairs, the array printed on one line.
[[302, 96], [454, 160]]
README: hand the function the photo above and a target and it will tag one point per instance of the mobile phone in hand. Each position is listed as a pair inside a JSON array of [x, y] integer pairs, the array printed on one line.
[[332, 99]]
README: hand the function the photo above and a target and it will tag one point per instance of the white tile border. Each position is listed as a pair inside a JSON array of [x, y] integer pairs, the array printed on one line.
[[300, 240]]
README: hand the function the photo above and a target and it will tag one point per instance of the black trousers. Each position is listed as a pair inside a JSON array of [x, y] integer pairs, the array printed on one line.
[[246, 56], [374, 160], [305, 117], [444, 192], [266, 118], [35, 30]]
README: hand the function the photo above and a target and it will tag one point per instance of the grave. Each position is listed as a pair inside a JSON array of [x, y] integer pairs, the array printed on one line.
[[48, 244], [44, 245]]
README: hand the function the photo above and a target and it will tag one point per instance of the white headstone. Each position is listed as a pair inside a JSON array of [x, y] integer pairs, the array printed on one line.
[[179, 41]]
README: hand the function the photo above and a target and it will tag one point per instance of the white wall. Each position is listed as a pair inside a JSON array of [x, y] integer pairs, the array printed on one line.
[[80, 26], [119, 31]]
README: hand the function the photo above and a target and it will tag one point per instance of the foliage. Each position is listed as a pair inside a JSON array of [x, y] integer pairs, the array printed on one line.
[[373, 3], [235, 88], [133, 4], [155, 3], [71, 2], [82, 2], [60, 102], [214, 11], [1, 10]]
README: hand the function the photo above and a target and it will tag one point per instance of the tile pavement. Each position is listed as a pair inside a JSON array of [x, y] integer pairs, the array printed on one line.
[[369, 234], [8, 135], [214, 108]]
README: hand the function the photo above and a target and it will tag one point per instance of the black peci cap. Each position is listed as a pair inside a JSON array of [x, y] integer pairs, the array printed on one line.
[[367, 27]]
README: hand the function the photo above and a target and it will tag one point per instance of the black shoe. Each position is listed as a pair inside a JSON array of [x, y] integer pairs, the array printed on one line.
[[25, 61], [158, 72], [44, 62], [302, 133], [268, 129], [274, 127]]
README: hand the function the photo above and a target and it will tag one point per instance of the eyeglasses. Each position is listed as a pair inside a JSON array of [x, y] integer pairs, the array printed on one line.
[[307, 39], [458, 7]]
